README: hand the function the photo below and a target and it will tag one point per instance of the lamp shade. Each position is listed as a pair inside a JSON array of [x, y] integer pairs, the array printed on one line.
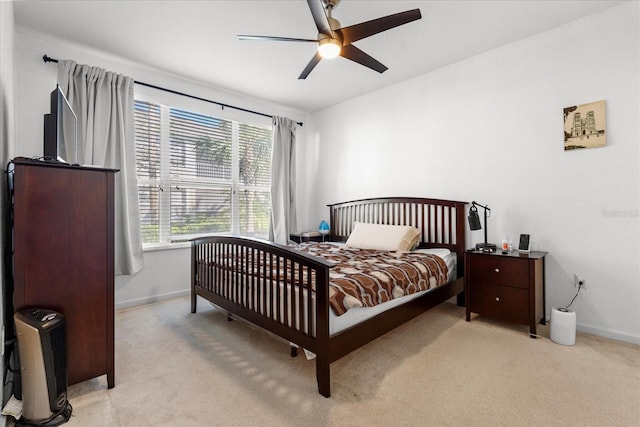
[[474, 219]]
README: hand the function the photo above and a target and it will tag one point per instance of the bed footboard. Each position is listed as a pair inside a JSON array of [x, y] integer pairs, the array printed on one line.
[[267, 284]]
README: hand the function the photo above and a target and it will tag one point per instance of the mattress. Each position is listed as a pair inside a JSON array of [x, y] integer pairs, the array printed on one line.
[[356, 315]]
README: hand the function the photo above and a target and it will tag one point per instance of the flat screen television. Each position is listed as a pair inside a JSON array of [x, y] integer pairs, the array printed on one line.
[[60, 130]]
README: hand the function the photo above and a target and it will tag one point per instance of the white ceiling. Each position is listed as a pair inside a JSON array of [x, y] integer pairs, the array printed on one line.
[[197, 39]]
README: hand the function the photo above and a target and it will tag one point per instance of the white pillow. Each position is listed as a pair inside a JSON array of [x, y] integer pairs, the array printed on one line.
[[383, 237]]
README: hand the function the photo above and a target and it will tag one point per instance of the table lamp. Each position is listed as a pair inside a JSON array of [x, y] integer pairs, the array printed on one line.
[[474, 224], [323, 229]]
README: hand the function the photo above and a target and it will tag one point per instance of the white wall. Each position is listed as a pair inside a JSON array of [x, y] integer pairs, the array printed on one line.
[[167, 272], [490, 129]]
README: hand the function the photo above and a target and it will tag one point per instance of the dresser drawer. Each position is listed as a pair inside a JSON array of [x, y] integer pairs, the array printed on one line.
[[502, 302], [500, 271]]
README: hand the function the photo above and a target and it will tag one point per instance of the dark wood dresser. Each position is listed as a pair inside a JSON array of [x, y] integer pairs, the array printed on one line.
[[508, 287], [64, 257]]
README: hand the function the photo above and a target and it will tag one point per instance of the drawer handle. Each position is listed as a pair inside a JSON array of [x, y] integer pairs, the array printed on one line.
[[497, 270], [498, 299]]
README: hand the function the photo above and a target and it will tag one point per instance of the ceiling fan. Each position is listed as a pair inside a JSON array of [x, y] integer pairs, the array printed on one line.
[[333, 40]]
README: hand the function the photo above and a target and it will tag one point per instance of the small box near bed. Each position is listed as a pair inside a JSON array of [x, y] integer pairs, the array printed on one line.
[[398, 257]]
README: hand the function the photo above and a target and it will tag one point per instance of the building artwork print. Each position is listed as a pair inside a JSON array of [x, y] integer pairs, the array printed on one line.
[[585, 126]]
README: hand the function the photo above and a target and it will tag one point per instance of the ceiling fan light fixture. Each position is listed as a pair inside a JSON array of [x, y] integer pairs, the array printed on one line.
[[329, 48], [334, 40]]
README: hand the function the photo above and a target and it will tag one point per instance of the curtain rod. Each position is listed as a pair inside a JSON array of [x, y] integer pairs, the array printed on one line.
[[47, 58]]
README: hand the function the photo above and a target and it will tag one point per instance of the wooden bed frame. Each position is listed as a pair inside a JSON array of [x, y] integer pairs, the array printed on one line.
[[219, 264]]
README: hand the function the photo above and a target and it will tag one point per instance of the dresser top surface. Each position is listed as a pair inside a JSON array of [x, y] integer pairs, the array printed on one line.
[[56, 164]]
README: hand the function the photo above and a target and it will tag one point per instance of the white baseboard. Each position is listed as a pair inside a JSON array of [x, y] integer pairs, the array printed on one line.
[[605, 333], [151, 299]]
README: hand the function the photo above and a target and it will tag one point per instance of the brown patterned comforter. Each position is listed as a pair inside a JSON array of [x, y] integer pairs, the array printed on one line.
[[365, 278]]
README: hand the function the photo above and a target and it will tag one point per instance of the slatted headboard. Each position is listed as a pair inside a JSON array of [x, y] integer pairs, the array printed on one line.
[[441, 222]]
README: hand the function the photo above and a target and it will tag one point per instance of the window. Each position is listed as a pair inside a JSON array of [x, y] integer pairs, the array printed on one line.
[[199, 174]]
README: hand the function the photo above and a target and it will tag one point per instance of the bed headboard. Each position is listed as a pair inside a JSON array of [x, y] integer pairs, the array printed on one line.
[[441, 222]]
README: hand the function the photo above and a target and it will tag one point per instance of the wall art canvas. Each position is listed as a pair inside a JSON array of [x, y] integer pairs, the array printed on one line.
[[585, 126]]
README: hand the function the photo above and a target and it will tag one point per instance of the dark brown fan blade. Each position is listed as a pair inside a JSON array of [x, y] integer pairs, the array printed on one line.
[[365, 29], [356, 55], [319, 17], [310, 66], [274, 38]]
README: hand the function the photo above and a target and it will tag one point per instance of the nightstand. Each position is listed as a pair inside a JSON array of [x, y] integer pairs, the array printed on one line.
[[508, 287], [307, 236]]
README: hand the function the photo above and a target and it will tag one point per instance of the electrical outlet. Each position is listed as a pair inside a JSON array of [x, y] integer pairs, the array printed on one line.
[[578, 281]]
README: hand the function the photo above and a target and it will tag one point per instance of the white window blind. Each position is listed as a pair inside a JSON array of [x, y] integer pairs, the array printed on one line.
[[200, 175]]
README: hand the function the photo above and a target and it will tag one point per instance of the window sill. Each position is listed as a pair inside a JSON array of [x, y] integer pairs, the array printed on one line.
[[166, 246]]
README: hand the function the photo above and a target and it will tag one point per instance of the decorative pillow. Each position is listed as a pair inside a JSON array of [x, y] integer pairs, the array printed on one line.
[[383, 237]]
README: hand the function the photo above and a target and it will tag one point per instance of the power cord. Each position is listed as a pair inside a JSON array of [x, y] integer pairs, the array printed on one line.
[[576, 295], [63, 414]]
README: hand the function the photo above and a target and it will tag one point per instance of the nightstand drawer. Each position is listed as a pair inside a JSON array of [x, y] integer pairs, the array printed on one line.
[[500, 271], [501, 302]]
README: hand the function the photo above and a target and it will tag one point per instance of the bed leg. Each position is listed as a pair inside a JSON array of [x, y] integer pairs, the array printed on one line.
[[229, 318], [193, 302], [460, 300], [323, 376], [294, 351]]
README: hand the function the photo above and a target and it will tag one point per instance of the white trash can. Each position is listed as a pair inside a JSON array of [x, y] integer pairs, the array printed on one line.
[[563, 326]]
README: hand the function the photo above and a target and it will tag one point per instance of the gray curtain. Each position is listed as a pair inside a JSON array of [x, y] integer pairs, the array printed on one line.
[[283, 207], [103, 102]]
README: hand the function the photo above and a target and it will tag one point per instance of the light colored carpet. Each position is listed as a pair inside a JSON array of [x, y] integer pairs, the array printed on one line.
[[174, 368]]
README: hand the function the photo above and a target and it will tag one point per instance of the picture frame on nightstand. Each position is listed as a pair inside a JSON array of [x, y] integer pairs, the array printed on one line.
[[524, 244]]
